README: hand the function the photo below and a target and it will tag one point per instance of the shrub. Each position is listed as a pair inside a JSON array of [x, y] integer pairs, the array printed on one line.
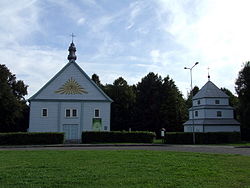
[[117, 136], [23, 138], [202, 138]]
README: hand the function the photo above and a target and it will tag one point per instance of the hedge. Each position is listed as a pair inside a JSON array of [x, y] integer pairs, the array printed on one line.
[[202, 138], [117, 136], [23, 138]]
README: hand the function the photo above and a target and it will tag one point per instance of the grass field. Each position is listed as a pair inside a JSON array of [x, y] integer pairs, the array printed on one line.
[[122, 169]]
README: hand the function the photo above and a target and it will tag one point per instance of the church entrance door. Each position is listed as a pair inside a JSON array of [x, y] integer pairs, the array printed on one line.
[[71, 131]]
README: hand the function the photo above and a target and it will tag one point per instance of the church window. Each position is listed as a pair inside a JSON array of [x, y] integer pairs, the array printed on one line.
[[198, 102], [217, 101], [196, 113], [67, 113], [219, 114], [74, 112], [97, 113], [70, 113], [44, 112]]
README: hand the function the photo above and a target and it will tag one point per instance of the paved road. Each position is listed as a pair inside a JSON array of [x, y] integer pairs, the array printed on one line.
[[180, 148]]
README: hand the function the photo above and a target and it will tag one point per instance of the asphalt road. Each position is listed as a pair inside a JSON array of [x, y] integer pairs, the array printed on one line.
[[245, 151]]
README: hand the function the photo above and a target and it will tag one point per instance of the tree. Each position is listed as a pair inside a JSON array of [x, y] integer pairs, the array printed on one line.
[[148, 103], [159, 104], [233, 101], [243, 90], [173, 107], [96, 79], [122, 107], [13, 111], [189, 100]]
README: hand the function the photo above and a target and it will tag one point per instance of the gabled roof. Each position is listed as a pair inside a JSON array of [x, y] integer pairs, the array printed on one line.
[[34, 97], [210, 90]]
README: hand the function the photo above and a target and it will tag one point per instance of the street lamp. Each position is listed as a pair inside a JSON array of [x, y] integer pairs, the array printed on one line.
[[192, 97]]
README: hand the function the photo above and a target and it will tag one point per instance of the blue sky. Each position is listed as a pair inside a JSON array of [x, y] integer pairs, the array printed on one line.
[[127, 38]]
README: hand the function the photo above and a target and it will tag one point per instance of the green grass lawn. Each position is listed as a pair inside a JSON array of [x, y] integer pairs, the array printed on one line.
[[122, 169]]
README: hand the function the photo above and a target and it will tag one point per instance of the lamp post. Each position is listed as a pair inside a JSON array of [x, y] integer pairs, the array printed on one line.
[[192, 98]]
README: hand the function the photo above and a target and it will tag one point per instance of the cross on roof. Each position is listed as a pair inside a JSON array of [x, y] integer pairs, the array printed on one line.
[[72, 35], [208, 74]]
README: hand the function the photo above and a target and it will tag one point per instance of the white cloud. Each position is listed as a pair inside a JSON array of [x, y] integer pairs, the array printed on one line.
[[155, 55], [215, 33], [18, 20], [81, 21]]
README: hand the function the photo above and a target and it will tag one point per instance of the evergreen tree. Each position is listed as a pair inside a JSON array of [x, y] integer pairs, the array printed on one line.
[[233, 101], [243, 91], [96, 79], [122, 107], [159, 104], [14, 110], [148, 103], [189, 100], [173, 108]]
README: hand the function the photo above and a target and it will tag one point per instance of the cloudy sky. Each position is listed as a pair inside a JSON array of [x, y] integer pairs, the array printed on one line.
[[127, 38]]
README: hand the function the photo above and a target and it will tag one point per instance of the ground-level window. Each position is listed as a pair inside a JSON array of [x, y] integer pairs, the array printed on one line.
[[97, 113], [44, 112], [219, 114], [196, 113], [70, 113]]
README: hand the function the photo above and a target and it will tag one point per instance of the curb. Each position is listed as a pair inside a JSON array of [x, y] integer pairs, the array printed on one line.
[[80, 145]]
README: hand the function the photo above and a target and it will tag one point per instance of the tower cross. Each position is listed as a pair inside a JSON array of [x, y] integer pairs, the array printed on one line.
[[208, 74], [72, 35]]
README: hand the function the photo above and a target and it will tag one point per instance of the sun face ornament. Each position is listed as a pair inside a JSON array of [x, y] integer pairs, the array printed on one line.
[[71, 87]]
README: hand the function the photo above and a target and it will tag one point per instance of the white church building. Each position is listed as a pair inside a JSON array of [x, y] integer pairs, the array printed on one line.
[[70, 102], [211, 112]]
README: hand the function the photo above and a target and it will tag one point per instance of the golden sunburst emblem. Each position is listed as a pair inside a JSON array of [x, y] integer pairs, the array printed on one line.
[[71, 87]]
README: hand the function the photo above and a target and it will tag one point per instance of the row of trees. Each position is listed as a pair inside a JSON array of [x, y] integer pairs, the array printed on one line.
[[151, 104]]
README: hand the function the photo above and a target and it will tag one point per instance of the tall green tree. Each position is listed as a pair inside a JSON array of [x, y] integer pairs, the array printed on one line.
[[14, 110], [148, 103], [173, 107], [159, 104], [189, 99], [233, 101], [123, 106], [243, 90]]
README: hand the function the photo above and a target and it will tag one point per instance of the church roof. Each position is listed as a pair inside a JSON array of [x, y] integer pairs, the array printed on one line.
[[210, 90], [71, 83]]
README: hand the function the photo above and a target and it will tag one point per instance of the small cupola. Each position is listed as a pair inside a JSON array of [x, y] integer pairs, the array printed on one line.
[[72, 52]]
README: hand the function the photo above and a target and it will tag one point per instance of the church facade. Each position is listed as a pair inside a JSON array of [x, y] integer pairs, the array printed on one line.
[[70, 102], [211, 112]]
